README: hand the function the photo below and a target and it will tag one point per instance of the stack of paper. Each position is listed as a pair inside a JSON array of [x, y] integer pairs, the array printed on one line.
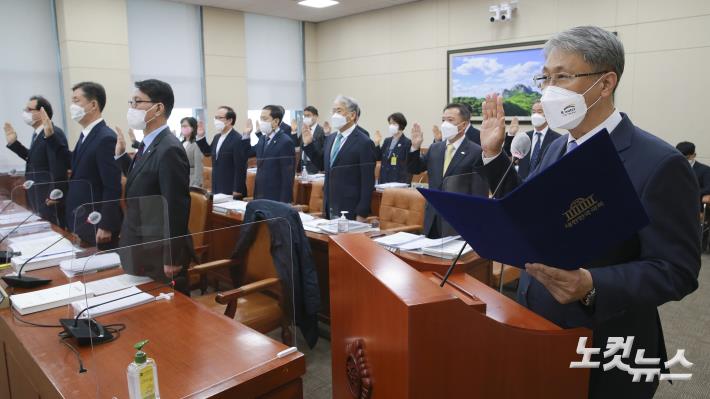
[[331, 227], [313, 225], [233, 205], [306, 217], [113, 302], [18, 217], [315, 176], [448, 250], [27, 228], [413, 242], [41, 253], [220, 198], [45, 235], [116, 283], [384, 186], [49, 298], [73, 267]]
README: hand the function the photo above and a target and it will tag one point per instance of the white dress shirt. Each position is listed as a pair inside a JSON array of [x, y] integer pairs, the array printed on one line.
[[344, 139], [609, 124]]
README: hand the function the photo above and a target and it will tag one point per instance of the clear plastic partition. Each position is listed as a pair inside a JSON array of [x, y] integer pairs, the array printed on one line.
[[139, 292], [19, 194], [273, 176]]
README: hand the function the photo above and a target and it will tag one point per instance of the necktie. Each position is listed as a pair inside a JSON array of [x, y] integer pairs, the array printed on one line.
[[571, 146], [448, 157], [34, 136], [336, 148], [80, 142], [535, 156], [138, 155]]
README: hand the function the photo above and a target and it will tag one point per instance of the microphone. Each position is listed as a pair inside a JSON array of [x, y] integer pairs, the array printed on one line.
[[29, 282], [519, 148], [26, 185], [55, 195], [89, 331]]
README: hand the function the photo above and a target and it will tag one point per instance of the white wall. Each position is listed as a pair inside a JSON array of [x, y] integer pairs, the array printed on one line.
[[394, 59]]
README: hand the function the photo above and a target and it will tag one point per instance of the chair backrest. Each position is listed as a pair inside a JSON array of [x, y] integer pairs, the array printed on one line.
[[207, 177], [123, 193], [421, 178], [378, 166], [200, 208], [401, 207], [315, 203], [207, 162], [251, 180]]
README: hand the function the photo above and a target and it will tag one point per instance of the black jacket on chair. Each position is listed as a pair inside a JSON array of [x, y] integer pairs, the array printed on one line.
[[397, 172], [229, 167], [291, 253], [349, 182], [461, 177]]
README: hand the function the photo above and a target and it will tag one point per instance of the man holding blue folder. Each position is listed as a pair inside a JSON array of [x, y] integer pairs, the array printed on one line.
[[616, 295]]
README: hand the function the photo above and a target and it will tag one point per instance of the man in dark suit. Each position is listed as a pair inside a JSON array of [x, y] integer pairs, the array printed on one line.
[[393, 153], [450, 164], [95, 176], [472, 134], [229, 154], [275, 158], [348, 160], [616, 295], [702, 171], [310, 119], [541, 137], [44, 163], [157, 188]]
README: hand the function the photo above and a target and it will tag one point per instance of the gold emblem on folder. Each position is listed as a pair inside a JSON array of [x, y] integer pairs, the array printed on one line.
[[580, 209]]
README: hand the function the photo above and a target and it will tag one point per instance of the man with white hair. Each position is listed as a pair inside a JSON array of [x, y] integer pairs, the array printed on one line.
[[348, 159], [617, 294]]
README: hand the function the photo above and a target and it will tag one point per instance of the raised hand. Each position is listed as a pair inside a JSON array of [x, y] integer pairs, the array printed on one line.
[[294, 129], [248, 127], [326, 127], [377, 138], [201, 129], [417, 136], [120, 142], [10, 133], [493, 126], [131, 135], [514, 126], [437, 132], [46, 123], [306, 135]]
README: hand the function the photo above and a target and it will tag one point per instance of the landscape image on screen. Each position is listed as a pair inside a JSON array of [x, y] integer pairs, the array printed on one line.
[[507, 72]]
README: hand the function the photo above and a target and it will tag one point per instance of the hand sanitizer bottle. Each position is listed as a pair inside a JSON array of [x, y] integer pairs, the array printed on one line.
[[304, 174], [142, 375], [343, 222]]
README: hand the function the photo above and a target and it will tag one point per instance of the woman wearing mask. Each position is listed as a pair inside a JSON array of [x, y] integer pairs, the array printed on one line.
[[188, 131], [392, 154]]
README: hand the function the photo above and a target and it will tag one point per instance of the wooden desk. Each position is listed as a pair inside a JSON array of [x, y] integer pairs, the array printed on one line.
[[222, 244], [200, 354]]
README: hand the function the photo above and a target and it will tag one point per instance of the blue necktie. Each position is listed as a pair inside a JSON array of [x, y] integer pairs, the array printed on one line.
[[571, 146], [80, 142], [336, 148], [535, 156]]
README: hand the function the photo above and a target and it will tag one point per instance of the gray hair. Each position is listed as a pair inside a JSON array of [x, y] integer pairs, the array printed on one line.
[[349, 103], [599, 48]]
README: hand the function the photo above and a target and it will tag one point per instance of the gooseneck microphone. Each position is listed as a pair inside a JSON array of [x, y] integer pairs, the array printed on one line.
[[519, 148]]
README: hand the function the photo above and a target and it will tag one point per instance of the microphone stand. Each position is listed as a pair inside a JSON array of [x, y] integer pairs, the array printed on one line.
[[29, 282]]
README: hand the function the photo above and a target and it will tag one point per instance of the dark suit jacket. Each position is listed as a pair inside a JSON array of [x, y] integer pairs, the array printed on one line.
[[659, 264], [524, 164], [318, 141], [461, 177], [702, 172], [45, 163], [275, 168], [473, 134], [229, 167], [349, 182], [157, 206], [394, 173], [95, 178]]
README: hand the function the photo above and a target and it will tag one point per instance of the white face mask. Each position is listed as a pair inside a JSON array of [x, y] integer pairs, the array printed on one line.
[[307, 121], [136, 118], [77, 112], [219, 125], [538, 119], [393, 129], [337, 121], [448, 130], [265, 127], [27, 117], [565, 109]]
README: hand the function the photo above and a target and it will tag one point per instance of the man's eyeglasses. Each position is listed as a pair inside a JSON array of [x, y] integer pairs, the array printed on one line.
[[542, 81], [134, 103]]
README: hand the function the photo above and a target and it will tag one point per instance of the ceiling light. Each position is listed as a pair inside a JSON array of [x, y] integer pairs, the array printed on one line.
[[318, 3]]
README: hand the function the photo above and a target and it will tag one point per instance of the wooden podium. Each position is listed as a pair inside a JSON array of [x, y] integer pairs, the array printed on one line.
[[397, 334]]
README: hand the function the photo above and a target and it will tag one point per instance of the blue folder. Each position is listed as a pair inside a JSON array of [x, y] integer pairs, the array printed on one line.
[[565, 216]]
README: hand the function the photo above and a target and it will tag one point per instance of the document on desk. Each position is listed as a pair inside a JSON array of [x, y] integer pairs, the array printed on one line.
[[90, 264], [565, 216], [113, 302], [18, 217], [49, 298], [234, 205], [116, 283], [27, 228]]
